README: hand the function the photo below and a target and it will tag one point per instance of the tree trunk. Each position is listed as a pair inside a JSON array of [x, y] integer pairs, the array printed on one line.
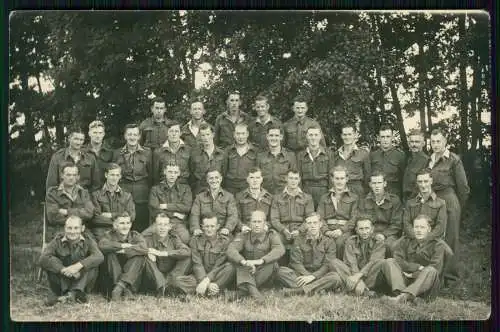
[[421, 87], [396, 108], [463, 93], [475, 110]]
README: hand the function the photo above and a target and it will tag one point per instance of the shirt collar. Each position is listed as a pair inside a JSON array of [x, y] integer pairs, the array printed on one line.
[[125, 150], [371, 196], [432, 196], [167, 144], [261, 193], [309, 238], [269, 119], [190, 124], [257, 237], [320, 151], [62, 190], [446, 154], [241, 117], [65, 239], [165, 184], [340, 151], [217, 194], [106, 188], [332, 191], [66, 154], [299, 192]]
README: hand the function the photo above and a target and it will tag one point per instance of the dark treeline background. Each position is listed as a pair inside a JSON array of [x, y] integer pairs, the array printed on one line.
[[368, 67]]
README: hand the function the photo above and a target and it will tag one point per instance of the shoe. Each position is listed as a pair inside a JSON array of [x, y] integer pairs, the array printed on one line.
[[287, 292], [81, 297], [117, 292], [254, 293], [160, 292], [128, 294], [67, 298], [183, 298], [52, 299], [405, 298]]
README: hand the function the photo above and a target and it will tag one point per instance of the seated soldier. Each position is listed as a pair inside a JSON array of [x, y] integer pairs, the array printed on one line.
[[214, 199], [339, 209], [124, 255], [110, 201], [385, 211], [363, 259], [67, 199], [311, 259], [255, 255], [417, 264], [168, 257], [289, 209], [253, 198], [211, 270], [172, 198], [71, 260]]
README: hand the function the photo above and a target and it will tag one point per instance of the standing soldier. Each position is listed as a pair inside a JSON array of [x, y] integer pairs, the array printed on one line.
[[135, 162], [389, 160], [154, 129], [339, 209], [189, 132], [67, 199], [109, 202], [253, 198], [296, 127], [275, 161], [71, 260], [102, 153], [217, 200], [313, 164], [385, 211], [289, 210], [417, 161], [204, 157], [238, 159], [450, 184], [311, 260], [255, 255], [259, 126], [225, 122], [173, 151], [86, 163], [355, 159]]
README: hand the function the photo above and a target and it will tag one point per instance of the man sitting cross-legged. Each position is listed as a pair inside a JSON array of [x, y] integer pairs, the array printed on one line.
[[311, 256], [211, 269], [168, 257], [124, 254], [71, 260], [417, 264], [255, 255]]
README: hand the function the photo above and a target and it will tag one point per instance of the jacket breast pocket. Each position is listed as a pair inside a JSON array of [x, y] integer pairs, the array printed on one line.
[[300, 207], [147, 133], [284, 208]]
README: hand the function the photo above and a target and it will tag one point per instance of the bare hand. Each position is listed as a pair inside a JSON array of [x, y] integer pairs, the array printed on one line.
[[179, 215], [245, 229], [213, 289], [197, 232], [379, 237], [107, 215], [64, 212], [127, 245], [336, 233], [152, 257], [163, 206], [224, 231], [304, 280], [287, 234], [353, 280], [294, 233], [407, 275], [329, 233]]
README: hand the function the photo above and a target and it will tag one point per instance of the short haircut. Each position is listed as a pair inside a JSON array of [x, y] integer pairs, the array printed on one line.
[[209, 215], [213, 169], [385, 127], [275, 126], [233, 92], [424, 217], [162, 215], [299, 99], [172, 123], [262, 97], [124, 214], [415, 132], [313, 214], [254, 169], [347, 124], [69, 164], [293, 171], [96, 124], [362, 217], [377, 173], [157, 100], [338, 168], [131, 126], [171, 164], [425, 171], [75, 130], [112, 166], [74, 217], [438, 131], [314, 126], [205, 126], [258, 212], [241, 125]]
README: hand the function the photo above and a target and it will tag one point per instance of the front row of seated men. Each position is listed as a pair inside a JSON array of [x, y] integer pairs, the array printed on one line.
[[161, 262]]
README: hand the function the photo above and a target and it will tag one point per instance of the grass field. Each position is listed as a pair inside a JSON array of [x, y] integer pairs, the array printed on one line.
[[468, 300]]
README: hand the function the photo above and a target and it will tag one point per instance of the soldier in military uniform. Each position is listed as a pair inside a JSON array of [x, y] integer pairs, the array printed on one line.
[[259, 126], [355, 159], [226, 122], [102, 153], [252, 198], [255, 255], [390, 160], [275, 161], [417, 161], [190, 131], [154, 128], [310, 270]]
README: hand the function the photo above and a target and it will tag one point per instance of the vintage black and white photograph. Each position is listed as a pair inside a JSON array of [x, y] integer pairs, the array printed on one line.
[[249, 165]]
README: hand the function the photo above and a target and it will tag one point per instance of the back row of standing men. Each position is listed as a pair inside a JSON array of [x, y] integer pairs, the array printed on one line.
[[338, 181]]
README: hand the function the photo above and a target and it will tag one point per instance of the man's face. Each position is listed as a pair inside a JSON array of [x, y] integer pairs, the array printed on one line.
[[377, 184], [416, 143], [313, 137], [174, 134], [424, 183], [261, 108], [348, 135], [233, 102], [364, 229], [421, 228], [300, 109], [385, 139], [113, 176], [70, 176], [313, 225], [76, 140], [206, 136], [122, 225], [96, 135], [214, 179], [158, 110], [132, 136], [73, 229], [339, 180], [171, 173], [163, 226], [197, 110], [210, 227], [274, 138], [438, 143], [257, 222], [240, 135], [254, 180], [293, 180]]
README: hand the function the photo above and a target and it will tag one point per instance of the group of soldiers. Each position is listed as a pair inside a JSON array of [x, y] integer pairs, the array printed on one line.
[[250, 203]]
